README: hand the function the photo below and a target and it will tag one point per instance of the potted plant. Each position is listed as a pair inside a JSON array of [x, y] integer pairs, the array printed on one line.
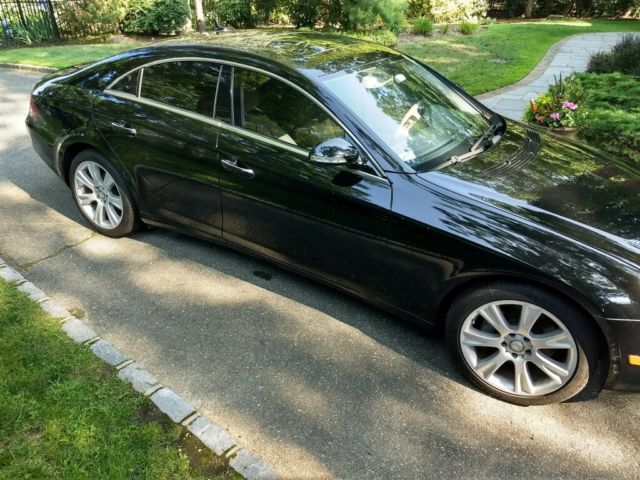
[[559, 108]]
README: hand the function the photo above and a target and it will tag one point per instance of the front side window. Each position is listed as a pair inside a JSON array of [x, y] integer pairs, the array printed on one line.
[[128, 84], [416, 115], [268, 106], [189, 85]]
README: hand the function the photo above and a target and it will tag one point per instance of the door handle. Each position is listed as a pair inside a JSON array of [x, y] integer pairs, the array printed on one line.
[[122, 127], [232, 166]]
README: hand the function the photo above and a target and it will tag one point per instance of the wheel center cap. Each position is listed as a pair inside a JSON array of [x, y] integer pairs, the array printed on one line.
[[516, 346]]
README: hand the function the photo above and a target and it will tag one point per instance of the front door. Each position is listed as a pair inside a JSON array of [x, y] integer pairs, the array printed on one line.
[[161, 128], [328, 220]]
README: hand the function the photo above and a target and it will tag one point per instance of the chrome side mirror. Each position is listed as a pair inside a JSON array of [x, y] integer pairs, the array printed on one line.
[[336, 151]]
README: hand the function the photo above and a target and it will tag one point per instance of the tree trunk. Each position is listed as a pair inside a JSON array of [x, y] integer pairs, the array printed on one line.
[[200, 16], [528, 9]]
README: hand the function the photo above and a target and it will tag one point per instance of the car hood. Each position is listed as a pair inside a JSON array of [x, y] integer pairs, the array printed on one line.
[[567, 187]]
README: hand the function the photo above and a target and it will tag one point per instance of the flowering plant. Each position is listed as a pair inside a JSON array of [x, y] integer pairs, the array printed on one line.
[[559, 107]]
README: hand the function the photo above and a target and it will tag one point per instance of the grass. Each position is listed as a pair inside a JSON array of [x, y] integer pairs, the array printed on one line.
[[60, 56], [502, 53], [64, 414]]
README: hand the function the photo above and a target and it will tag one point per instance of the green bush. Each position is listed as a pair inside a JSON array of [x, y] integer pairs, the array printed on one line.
[[625, 58], [306, 13], [90, 17], [447, 11], [468, 28], [453, 11], [613, 101], [418, 8], [156, 16], [422, 26], [241, 13], [578, 8], [368, 13], [349, 15]]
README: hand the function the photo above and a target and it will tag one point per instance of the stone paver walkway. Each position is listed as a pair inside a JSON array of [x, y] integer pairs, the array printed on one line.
[[568, 56]]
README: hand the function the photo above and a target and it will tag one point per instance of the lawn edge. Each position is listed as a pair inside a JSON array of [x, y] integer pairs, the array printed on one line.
[[214, 437], [27, 67], [535, 73], [542, 65]]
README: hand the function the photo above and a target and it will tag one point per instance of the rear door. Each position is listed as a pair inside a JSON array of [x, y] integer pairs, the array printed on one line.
[[159, 123], [328, 220]]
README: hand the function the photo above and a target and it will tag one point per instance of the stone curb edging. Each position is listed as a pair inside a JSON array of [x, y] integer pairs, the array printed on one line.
[[245, 463], [28, 67]]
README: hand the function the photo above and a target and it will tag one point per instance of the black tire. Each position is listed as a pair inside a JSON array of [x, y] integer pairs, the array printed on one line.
[[130, 221], [581, 328]]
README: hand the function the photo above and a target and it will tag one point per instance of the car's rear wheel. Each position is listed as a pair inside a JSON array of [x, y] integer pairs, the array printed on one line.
[[102, 195], [522, 344]]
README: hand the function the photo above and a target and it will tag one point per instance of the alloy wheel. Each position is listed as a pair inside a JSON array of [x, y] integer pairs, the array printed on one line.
[[98, 195], [518, 348]]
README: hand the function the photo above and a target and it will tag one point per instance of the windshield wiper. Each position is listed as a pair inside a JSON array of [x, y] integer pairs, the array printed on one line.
[[477, 148]]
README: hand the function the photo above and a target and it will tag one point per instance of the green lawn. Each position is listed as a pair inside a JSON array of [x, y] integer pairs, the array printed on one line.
[[64, 414], [503, 53], [60, 56]]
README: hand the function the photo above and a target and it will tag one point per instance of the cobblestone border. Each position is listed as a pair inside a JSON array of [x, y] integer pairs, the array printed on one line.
[[248, 465], [28, 67]]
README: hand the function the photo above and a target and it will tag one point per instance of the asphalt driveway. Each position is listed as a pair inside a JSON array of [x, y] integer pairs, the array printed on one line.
[[316, 383]]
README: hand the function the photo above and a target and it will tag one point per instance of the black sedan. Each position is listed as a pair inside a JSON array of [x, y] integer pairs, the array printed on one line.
[[363, 168]]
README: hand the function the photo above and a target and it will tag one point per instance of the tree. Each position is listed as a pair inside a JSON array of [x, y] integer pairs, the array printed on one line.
[[200, 16], [528, 9]]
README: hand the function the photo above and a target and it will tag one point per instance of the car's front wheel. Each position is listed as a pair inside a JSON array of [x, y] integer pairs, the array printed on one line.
[[102, 195], [522, 344]]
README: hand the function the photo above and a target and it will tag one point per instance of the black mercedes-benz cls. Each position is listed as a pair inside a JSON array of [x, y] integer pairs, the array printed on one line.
[[363, 168]]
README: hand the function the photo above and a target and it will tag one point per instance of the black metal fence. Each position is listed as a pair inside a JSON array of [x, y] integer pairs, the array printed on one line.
[[27, 21]]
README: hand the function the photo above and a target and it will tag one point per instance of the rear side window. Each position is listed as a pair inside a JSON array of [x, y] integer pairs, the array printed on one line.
[[128, 84], [270, 107], [184, 84]]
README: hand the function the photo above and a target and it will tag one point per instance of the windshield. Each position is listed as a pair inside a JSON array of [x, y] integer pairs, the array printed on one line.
[[416, 115]]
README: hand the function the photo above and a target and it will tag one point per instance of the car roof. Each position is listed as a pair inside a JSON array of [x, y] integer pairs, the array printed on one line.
[[311, 53]]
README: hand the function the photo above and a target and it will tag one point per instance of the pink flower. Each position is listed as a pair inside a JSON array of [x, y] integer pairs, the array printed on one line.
[[555, 116], [569, 105]]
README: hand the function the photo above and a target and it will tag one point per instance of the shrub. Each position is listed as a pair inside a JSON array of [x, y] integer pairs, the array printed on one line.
[[89, 17], [468, 28], [241, 13], [422, 26], [305, 13], [418, 8], [444, 29], [35, 29], [580, 8], [156, 16], [624, 58], [349, 15], [447, 11], [367, 13], [613, 101], [452, 11]]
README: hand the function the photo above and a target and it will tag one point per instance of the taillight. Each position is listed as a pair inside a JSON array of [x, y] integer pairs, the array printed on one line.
[[33, 109]]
